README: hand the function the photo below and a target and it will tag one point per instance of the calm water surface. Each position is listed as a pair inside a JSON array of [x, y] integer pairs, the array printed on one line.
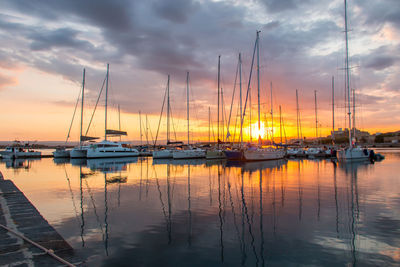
[[140, 212]]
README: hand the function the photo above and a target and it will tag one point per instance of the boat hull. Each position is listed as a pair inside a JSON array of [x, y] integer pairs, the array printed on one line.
[[215, 154], [61, 153], [258, 155], [189, 154], [163, 154], [78, 153], [353, 154], [15, 155], [92, 154], [233, 154]]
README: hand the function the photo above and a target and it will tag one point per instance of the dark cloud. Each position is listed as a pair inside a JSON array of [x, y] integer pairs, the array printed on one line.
[[380, 62], [64, 37], [176, 11], [378, 13], [279, 6]]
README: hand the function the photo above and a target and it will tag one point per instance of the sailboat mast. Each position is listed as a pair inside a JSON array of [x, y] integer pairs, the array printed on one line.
[[168, 109], [119, 121], [83, 95], [298, 118], [333, 109], [105, 116], [258, 87], [347, 70], [354, 114], [140, 122], [241, 107], [219, 65], [187, 107], [272, 116], [147, 131], [316, 115], [280, 122], [209, 125], [222, 115]]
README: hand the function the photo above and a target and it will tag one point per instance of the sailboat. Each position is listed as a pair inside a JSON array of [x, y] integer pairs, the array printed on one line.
[[167, 152], [189, 152], [62, 152], [106, 148], [237, 154], [80, 151], [259, 153], [351, 153], [217, 153]]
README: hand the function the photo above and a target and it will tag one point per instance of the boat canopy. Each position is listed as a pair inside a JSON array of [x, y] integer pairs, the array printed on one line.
[[87, 138], [115, 132]]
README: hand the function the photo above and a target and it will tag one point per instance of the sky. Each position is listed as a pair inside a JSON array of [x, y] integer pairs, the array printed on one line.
[[47, 44]]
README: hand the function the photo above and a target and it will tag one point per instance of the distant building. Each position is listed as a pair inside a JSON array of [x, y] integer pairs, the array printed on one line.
[[340, 133]]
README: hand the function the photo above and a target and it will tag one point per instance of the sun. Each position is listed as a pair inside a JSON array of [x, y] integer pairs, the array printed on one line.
[[255, 132]]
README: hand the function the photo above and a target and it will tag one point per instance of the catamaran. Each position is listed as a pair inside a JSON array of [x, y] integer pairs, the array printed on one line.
[[106, 148]]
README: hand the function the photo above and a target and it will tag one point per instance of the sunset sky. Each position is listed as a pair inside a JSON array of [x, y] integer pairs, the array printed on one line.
[[46, 44]]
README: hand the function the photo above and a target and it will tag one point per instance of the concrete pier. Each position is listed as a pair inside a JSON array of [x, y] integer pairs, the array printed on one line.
[[18, 214]]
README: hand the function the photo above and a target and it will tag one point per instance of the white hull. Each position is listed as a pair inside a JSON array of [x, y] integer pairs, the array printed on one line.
[[189, 154], [15, 155], [353, 154], [61, 153], [163, 154], [92, 153], [261, 154], [78, 153]]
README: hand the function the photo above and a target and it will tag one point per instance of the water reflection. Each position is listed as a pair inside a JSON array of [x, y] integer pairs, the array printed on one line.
[[19, 164], [197, 212]]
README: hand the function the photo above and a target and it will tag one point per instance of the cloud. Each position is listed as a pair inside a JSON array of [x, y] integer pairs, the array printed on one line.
[[380, 62], [6, 81], [63, 37], [301, 45], [176, 11]]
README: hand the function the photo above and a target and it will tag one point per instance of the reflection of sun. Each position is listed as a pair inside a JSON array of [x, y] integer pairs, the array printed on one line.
[[255, 132]]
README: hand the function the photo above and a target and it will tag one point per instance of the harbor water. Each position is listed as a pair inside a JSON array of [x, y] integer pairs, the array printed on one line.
[[144, 212]]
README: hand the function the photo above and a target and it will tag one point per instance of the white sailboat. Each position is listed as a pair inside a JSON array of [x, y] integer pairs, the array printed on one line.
[[217, 153], [167, 152], [351, 153], [106, 148], [189, 152], [79, 151], [259, 153]]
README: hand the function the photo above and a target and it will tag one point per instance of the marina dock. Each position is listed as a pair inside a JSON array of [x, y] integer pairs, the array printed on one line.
[[23, 228]]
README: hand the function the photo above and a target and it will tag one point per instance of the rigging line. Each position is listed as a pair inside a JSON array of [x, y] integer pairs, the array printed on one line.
[[73, 115], [95, 107], [162, 109], [248, 85], [236, 119], [233, 96], [173, 126]]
